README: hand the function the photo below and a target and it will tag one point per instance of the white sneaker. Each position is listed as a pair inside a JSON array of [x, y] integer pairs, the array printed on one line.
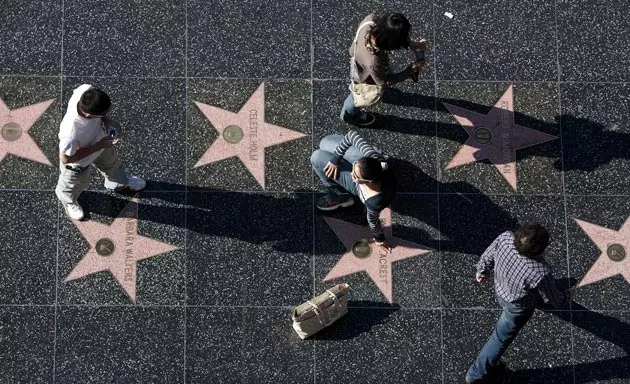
[[133, 183], [136, 183], [74, 211]]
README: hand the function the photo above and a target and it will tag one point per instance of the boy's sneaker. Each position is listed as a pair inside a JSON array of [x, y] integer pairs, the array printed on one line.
[[329, 203], [74, 211], [134, 184]]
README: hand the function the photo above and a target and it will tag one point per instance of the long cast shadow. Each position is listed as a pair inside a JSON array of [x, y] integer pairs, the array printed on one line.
[[358, 321], [587, 144], [242, 215], [600, 325], [220, 213], [493, 219]]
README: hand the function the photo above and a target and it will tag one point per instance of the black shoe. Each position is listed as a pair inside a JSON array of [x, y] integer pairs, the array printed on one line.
[[330, 203], [496, 376], [365, 119]]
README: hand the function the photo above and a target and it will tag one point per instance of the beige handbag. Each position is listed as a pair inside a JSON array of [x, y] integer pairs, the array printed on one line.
[[321, 311], [364, 95]]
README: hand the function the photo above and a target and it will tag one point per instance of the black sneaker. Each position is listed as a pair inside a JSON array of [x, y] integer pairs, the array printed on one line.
[[364, 120], [330, 203]]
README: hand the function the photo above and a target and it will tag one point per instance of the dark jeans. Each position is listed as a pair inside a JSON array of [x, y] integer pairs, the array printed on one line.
[[343, 184], [512, 320], [350, 113]]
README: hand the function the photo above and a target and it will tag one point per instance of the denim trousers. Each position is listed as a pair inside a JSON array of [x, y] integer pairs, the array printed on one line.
[[349, 112], [512, 320], [343, 184]]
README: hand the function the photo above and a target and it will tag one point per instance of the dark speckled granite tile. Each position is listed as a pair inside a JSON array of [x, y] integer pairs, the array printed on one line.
[[249, 248], [124, 38], [544, 343], [245, 345], [214, 340], [271, 346], [469, 224], [415, 281], [607, 293], [385, 345], [287, 104], [160, 278], [236, 38], [596, 138], [336, 23], [17, 171], [152, 115], [27, 335], [405, 128], [601, 342], [593, 40], [496, 40], [29, 247], [464, 332], [123, 345], [30, 40], [535, 106], [541, 352]]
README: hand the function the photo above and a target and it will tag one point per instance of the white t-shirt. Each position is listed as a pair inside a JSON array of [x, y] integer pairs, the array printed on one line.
[[77, 131]]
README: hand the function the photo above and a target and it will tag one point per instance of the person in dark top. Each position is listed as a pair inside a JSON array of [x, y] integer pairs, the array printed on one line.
[[522, 279], [376, 37], [348, 165]]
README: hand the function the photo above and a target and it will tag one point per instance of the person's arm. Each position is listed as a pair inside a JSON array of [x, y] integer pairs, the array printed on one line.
[[550, 293], [373, 218], [71, 153], [486, 262], [353, 139], [381, 77]]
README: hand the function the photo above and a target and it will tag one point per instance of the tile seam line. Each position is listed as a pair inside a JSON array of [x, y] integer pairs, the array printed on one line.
[[313, 215], [318, 192], [307, 79], [290, 307], [56, 314], [438, 180], [564, 189], [186, 100]]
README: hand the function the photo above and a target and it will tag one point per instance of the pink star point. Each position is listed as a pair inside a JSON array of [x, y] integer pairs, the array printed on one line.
[[250, 137], [117, 248], [14, 127], [378, 266], [605, 267], [504, 137]]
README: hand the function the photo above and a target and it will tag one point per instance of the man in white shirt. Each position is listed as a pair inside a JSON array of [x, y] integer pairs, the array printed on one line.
[[87, 137]]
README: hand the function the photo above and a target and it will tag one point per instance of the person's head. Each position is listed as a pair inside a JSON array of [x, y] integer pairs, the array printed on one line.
[[367, 170], [391, 31], [94, 103], [531, 240]]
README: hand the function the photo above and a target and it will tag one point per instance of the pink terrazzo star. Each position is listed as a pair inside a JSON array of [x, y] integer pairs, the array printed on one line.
[[358, 258], [117, 248], [494, 136], [244, 134], [14, 126], [614, 259]]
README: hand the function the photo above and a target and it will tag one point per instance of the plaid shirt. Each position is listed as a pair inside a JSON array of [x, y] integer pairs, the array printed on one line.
[[517, 277]]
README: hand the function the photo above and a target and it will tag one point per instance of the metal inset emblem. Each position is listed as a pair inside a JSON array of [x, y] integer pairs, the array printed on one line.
[[105, 247], [482, 135], [233, 134], [11, 132], [616, 252], [361, 249]]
